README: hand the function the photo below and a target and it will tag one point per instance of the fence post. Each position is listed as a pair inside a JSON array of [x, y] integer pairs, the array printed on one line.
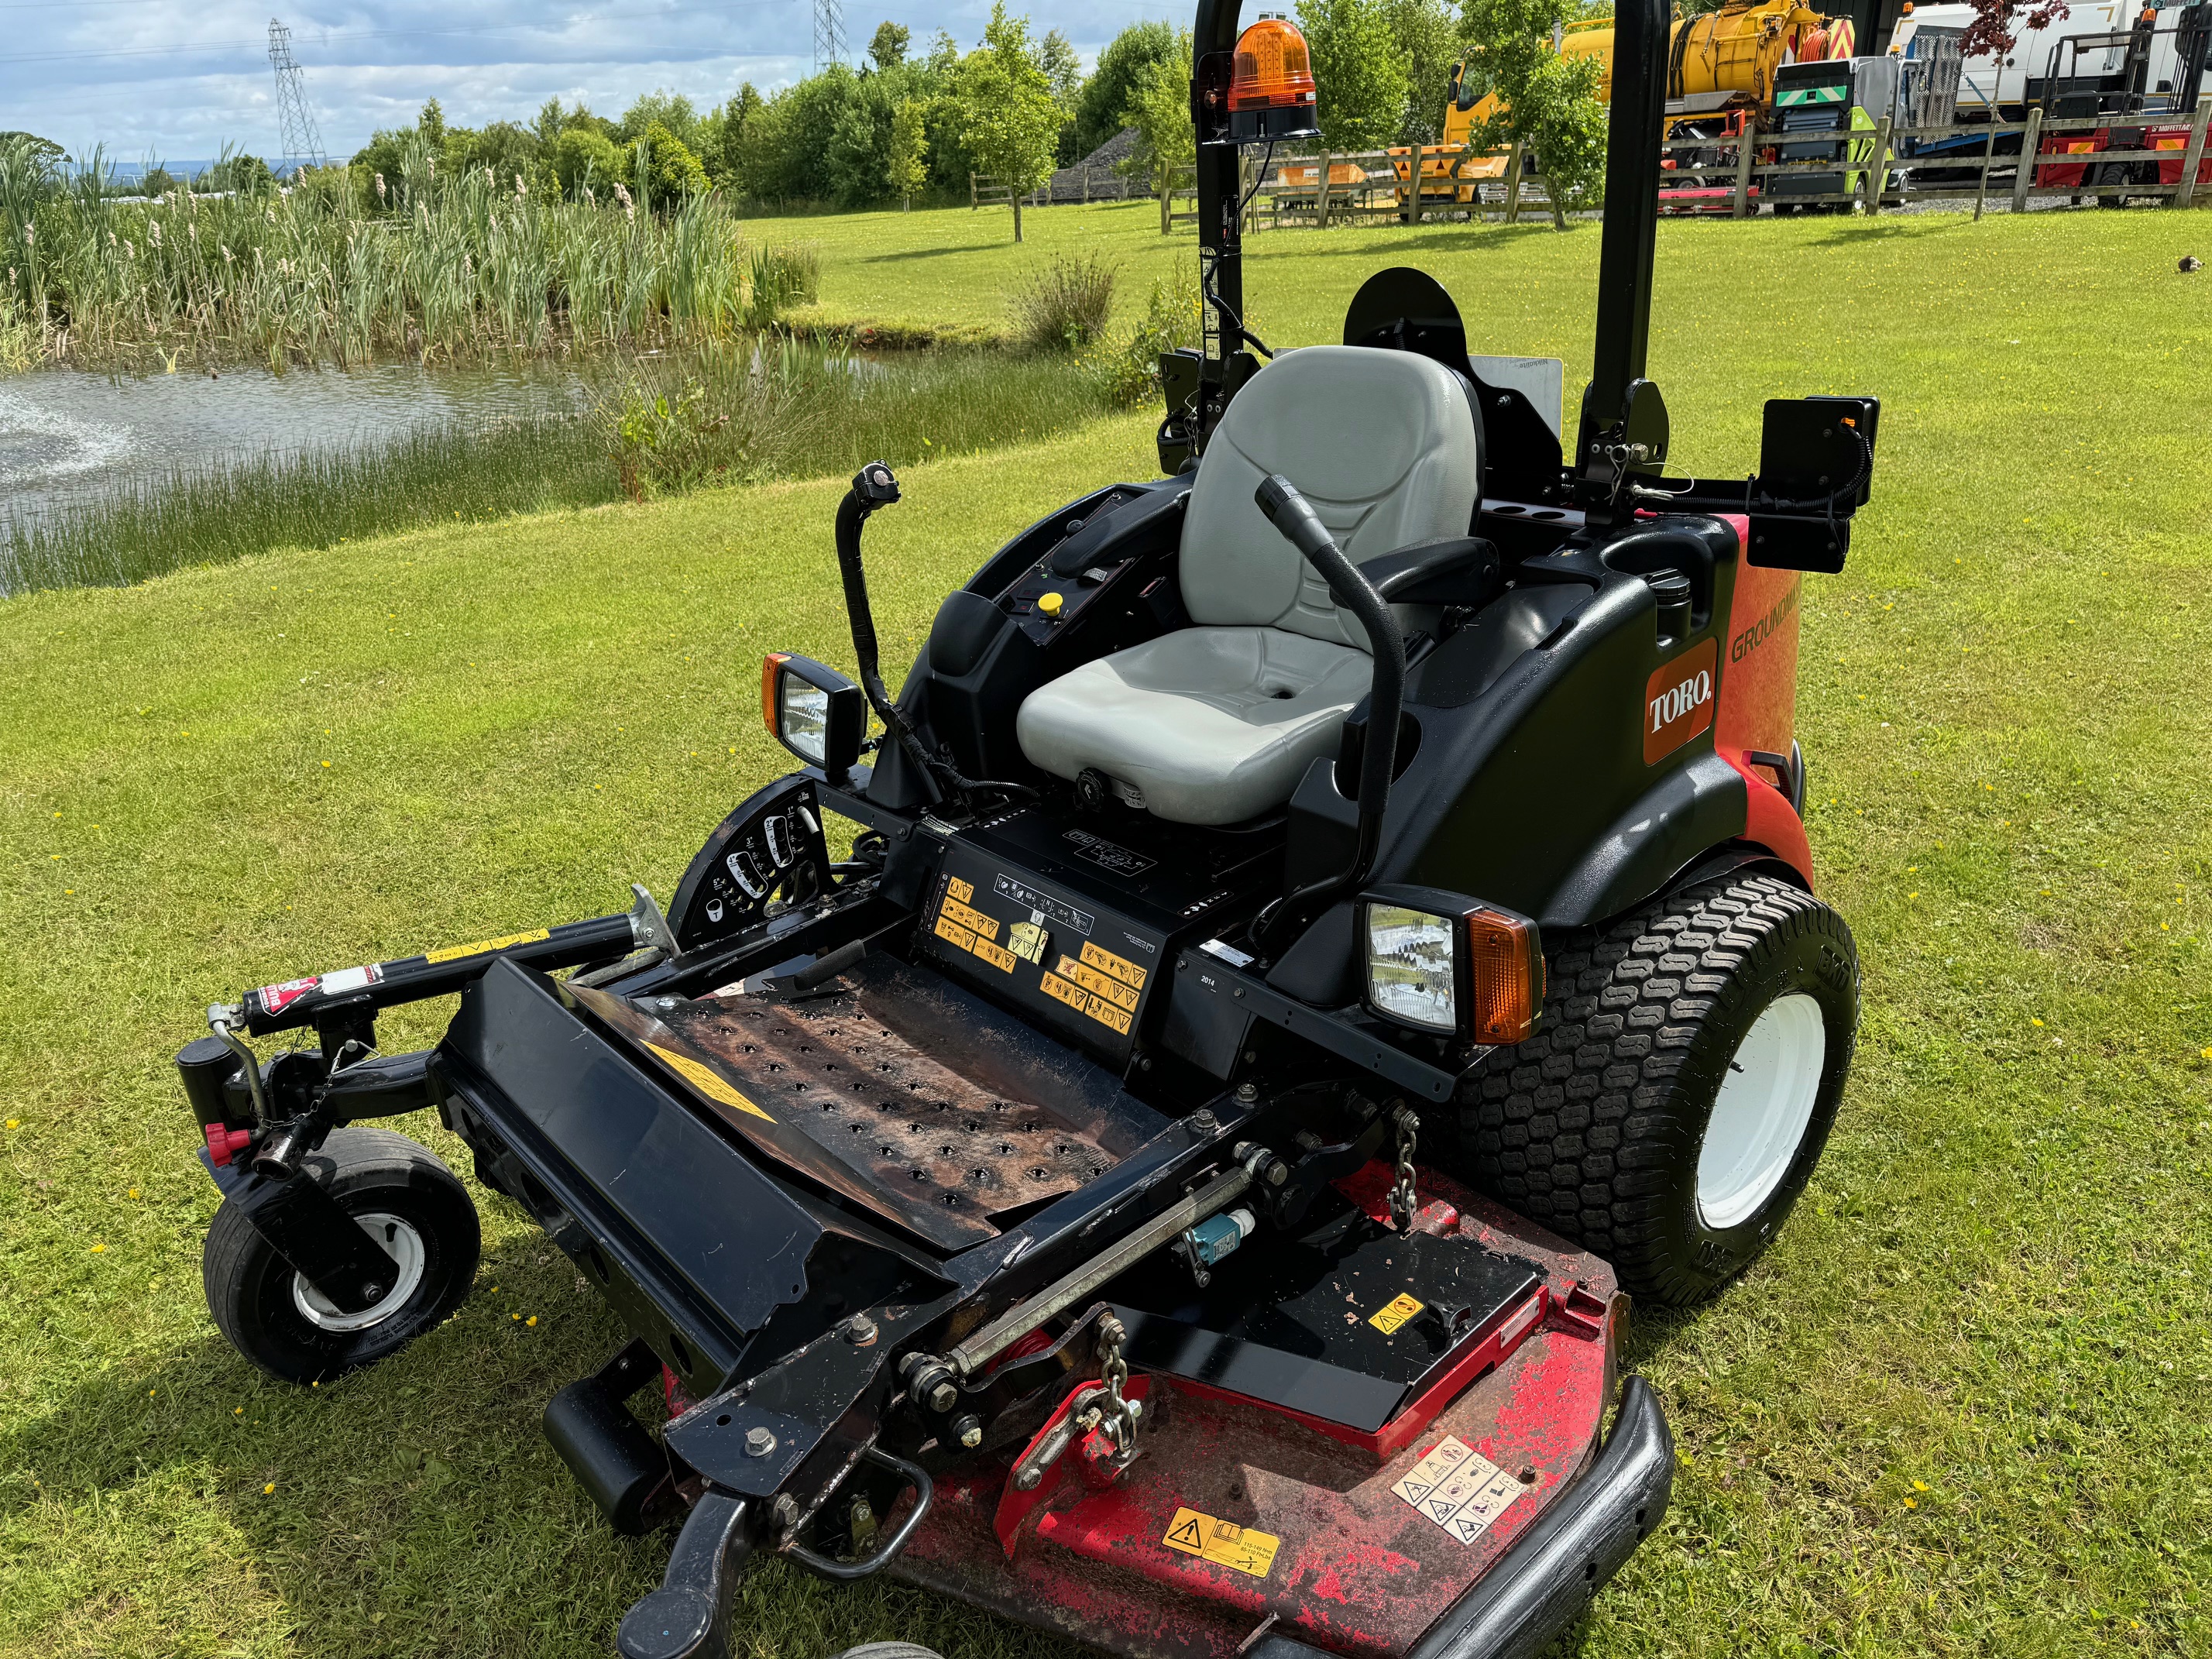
[[1742, 208], [2192, 157], [971, 190], [1320, 195], [1877, 168], [1513, 184], [2028, 137], [1989, 158]]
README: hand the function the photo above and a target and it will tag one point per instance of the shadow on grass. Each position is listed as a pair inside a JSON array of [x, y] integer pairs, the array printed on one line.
[[417, 1508]]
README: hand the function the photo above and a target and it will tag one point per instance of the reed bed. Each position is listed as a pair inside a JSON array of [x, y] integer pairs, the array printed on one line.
[[433, 266], [739, 413]]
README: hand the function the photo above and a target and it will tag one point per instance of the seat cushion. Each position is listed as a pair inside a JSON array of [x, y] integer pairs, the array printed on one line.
[[1384, 446], [1208, 724]]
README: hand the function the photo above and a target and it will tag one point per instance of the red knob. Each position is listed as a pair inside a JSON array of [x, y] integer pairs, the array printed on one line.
[[223, 1145]]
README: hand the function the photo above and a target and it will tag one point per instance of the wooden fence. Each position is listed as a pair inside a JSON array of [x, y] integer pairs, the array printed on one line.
[[2162, 156]]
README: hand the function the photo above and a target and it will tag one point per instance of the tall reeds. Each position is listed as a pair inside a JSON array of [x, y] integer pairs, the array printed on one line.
[[429, 264]]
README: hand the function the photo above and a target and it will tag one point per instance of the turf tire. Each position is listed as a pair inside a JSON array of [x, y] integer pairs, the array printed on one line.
[[251, 1290], [1595, 1125]]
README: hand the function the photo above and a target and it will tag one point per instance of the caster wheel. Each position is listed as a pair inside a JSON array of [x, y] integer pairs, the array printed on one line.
[[394, 1188]]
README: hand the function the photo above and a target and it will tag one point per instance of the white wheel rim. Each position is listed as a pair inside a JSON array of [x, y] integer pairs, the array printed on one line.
[[403, 1244], [1765, 1101]]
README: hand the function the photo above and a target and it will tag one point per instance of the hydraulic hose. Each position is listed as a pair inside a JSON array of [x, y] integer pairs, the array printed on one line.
[[874, 486], [1290, 513]]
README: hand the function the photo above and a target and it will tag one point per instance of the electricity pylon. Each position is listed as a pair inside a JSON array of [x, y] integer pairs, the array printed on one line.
[[301, 141]]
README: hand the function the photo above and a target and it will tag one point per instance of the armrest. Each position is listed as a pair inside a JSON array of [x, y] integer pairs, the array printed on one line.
[[1456, 570], [1099, 538]]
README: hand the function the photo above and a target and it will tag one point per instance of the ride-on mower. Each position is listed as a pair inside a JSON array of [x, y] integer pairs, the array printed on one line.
[[1322, 929]]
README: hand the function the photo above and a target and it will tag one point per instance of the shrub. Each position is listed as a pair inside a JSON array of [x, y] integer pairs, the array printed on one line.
[[1066, 306], [1130, 372]]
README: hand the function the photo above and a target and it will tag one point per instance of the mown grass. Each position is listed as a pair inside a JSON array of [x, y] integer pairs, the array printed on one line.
[[1958, 1410], [745, 413]]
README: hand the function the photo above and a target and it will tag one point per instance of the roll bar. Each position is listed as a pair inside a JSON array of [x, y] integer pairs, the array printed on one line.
[[1624, 421]]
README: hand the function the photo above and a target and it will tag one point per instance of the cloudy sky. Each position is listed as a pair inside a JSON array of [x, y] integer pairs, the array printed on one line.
[[154, 77]]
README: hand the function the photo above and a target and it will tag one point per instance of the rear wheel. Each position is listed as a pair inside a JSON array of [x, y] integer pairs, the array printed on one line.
[[1674, 1103], [394, 1189]]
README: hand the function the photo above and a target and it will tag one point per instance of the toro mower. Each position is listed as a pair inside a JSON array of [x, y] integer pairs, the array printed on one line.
[[1320, 929]]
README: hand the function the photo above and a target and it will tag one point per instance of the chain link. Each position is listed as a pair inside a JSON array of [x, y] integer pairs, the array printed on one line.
[[1401, 1193], [1118, 1418]]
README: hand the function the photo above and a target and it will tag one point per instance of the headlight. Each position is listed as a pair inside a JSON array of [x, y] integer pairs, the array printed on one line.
[[813, 711], [1412, 970], [1437, 962]]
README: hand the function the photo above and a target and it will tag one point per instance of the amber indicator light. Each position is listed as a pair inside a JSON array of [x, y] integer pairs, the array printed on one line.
[[1273, 70], [771, 673], [1508, 977]]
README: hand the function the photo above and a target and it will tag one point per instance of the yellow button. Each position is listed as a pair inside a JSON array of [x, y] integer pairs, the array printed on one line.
[[1049, 603]]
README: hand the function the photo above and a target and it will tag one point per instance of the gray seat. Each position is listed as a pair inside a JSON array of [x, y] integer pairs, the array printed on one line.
[[1216, 723]]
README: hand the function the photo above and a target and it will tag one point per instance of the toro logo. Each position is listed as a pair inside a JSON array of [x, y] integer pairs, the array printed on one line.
[[1678, 701]]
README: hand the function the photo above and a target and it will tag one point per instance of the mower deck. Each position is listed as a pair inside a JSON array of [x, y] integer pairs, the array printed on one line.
[[1241, 1517]]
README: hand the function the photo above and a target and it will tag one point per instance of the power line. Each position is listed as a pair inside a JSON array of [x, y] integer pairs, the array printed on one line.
[[297, 122]]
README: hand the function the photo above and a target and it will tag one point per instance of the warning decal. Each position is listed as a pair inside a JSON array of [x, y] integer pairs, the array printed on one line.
[[1222, 1542], [455, 952], [1400, 1310], [953, 934], [1084, 1001], [970, 918], [1459, 1489], [1122, 968], [707, 1081]]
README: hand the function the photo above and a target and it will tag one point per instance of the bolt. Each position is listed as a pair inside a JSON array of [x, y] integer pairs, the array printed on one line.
[[859, 1330], [1202, 1125], [664, 1004], [759, 1442], [968, 1430], [784, 1512], [1030, 1479], [1248, 1092], [944, 1397]]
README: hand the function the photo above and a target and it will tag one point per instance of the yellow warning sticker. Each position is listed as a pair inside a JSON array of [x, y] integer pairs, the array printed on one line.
[[953, 934], [1097, 983], [1223, 1542], [1127, 971], [998, 956], [1082, 1001], [1027, 940], [963, 890], [455, 952], [709, 1082], [1396, 1314], [1057, 988], [973, 920]]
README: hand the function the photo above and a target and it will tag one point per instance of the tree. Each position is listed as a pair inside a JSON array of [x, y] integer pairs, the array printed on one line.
[[583, 158], [887, 48], [1548, 103], [1064, 70], [669, 165], [1358, 70], [1100, 110], [673, 110], [1158, 107], [1993, 32], [431, 124], [1008, 117], [1426, 35], [908, 167], [246, 175], [156, 180], [724, 157]]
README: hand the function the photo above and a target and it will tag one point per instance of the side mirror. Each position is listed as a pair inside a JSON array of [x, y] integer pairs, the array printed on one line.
[[813, 711]]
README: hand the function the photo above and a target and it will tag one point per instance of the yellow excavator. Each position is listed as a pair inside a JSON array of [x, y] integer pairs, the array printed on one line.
[[1720, 71]]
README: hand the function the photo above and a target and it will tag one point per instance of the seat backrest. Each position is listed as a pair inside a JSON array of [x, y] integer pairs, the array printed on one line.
[[1383, 443]]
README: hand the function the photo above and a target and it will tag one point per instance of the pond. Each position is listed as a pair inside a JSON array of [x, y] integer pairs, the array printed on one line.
[[68, 437]]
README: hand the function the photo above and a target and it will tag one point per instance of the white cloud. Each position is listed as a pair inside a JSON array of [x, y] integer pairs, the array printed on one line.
[[148, 78]]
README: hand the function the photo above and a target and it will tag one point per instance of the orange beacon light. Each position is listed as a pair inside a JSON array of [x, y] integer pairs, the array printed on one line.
[[1271, 90]]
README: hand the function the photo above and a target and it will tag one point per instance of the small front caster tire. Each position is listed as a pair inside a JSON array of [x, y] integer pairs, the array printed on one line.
[[394, 1188]]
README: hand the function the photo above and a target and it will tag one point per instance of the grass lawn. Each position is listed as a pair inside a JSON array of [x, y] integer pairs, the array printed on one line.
[[1960, 1409]]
